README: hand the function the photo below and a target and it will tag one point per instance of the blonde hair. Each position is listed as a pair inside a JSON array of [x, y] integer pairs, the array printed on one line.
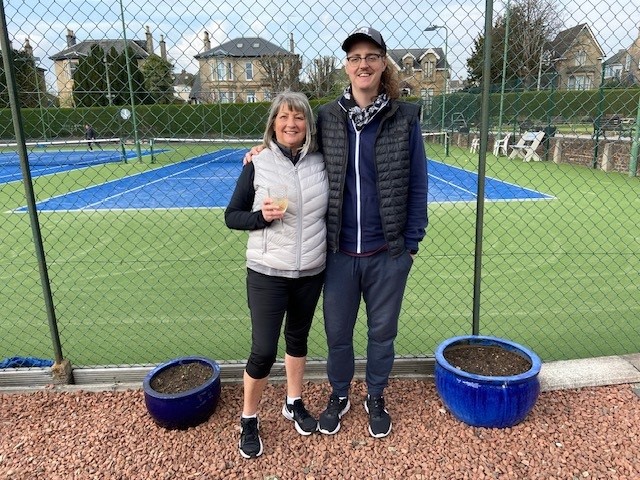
[[297, 102]]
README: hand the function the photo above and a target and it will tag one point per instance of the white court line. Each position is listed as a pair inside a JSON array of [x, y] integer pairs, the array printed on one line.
[[161, 179]]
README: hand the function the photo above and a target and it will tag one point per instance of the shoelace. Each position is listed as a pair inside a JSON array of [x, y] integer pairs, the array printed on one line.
[[250, 430], [334, 405], [376, 406]]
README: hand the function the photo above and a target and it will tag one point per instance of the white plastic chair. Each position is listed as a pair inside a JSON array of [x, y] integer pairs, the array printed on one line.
[[501, 146]]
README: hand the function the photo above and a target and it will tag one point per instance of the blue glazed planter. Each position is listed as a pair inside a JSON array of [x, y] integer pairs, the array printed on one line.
[[185, 409], [487, 401]]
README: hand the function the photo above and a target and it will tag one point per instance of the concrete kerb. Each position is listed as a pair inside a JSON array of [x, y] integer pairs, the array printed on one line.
[[557, 375]]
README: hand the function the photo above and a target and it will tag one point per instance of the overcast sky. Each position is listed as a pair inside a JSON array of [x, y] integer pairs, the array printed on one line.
[[318, 26]]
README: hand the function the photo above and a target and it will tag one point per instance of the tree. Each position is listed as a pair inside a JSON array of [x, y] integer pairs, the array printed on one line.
[[89, 88], [26, 78], [532, 23], [322, 77], [93, 81], [157, 80], [281, 71]]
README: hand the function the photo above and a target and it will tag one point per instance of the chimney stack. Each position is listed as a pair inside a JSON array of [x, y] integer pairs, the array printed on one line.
[[207, 41], [149, 40], [71, 38], [163, 48], [28, 50], [291, 44]]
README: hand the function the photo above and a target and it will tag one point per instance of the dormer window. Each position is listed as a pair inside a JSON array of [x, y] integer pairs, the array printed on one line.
[[239, 45], [256, 45], [581, 58]]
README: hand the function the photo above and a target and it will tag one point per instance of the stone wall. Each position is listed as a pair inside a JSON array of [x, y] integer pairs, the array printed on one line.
[[613, 154]]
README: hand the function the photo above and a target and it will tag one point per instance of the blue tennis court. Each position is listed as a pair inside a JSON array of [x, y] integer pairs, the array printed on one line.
[[49, 162], [207, 181]]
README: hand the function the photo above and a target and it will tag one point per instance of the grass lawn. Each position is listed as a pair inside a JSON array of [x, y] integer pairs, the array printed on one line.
[[139, 287]]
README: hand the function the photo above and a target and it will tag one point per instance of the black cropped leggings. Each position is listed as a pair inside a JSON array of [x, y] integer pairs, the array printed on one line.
[[274, 299]]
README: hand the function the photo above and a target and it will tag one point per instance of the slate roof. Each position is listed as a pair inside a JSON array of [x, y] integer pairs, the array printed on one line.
[[250, 47], [82, 49], [617, 59], [397, 54], [566, 39], [183, 78]]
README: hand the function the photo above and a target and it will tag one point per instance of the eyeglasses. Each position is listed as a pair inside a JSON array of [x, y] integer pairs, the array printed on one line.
[[371, 59]]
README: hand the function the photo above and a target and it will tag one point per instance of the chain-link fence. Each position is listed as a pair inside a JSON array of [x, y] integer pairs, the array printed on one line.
[[116, 252]]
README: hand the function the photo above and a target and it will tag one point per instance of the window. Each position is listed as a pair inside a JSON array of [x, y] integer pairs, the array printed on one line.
[[427, 98], [73, 65], [220, 70], [251, 96], [267, 95], [408, 65], [248, 71], [224, 71], [613, 71], [579, 82], [627, 63], [581, 58], [429, 69], [405, 92]]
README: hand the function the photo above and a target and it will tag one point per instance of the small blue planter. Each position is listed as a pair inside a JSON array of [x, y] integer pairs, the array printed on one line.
[[185, 409], [487, 401]]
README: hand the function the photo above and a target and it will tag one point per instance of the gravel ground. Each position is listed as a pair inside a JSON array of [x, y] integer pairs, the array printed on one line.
[[570, 434]]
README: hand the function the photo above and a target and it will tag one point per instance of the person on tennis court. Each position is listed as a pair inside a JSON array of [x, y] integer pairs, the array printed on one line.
[[286, 255], [377, 215], [90, 135]]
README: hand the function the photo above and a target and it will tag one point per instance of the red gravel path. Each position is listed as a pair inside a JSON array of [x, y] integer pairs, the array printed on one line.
[[570, 434]]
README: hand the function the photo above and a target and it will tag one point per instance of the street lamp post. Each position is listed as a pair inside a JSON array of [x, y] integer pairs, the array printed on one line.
[[106, 70], [433, 28]]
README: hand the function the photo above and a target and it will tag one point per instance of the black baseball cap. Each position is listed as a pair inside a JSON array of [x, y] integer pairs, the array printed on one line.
[[364, 33]]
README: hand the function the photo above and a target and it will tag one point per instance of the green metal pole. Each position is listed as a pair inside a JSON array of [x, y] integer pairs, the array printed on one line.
[[633, 161], [598, 121], [446, 84], [432, 28], [14, 101], [484, 134], [504, 70], [40, 107], [131, 95]]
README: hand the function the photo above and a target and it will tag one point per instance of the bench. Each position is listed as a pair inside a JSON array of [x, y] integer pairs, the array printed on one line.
[[604, 124], [527, 145]]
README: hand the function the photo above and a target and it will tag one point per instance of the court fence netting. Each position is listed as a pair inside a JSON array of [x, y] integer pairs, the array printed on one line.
[[166, 82]]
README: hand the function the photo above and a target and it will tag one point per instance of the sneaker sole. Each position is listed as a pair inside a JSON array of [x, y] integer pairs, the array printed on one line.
[[259, 451], [251, 456], [377, 435], [340, 415], [289, 416]]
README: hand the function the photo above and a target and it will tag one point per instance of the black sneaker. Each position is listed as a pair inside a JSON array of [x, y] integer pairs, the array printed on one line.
[[250, 442], [379, 419], [304, 422], [329, 422]]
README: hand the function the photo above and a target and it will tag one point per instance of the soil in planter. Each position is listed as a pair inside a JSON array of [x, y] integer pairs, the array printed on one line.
[[182, 377], [486, 360]]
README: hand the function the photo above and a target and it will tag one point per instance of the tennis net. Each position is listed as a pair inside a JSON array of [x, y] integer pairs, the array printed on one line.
[[67, 152], [196, 149]]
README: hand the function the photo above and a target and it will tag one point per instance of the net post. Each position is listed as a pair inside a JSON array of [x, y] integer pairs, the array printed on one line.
[[151, 145]]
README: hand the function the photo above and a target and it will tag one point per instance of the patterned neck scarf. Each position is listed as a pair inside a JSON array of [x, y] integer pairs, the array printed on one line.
[[362, 116]]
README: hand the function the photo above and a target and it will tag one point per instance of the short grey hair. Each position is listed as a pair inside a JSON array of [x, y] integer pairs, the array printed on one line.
[[297, 102]]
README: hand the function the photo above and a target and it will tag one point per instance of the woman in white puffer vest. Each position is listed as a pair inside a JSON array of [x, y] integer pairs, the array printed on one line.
[[285, 257]]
